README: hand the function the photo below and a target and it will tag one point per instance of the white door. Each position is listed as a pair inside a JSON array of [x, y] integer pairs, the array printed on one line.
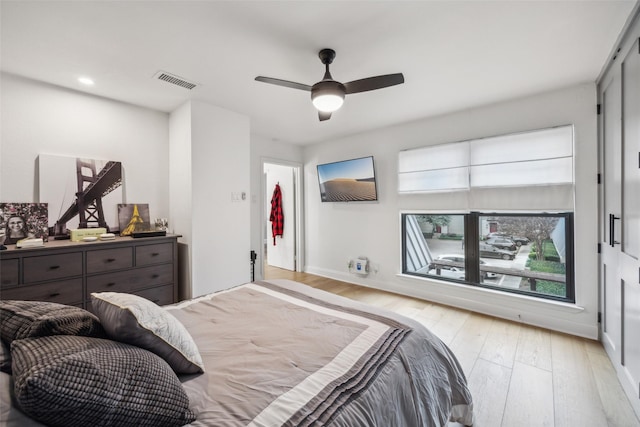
[[629, 248], [620, 213], [611, 200], [281, 250]]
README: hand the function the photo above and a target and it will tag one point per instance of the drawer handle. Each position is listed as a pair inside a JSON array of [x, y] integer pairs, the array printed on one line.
[[110, 284], [55, 294], [110, 259], [155, 254], [155, 276], [54, 267]]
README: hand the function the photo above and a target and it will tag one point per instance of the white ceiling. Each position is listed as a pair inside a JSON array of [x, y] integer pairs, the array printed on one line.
[[454, 54]]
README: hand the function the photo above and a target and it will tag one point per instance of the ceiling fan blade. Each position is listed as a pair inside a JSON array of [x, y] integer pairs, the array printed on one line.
[[285, 83], [372, 83], [323, 116]]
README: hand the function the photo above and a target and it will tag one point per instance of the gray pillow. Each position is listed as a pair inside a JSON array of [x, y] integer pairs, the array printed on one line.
[[24, 319], [137, 321], [5, 358], [78, 381]]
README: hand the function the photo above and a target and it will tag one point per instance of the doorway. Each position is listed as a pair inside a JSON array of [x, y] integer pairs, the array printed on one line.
[[282, 251]]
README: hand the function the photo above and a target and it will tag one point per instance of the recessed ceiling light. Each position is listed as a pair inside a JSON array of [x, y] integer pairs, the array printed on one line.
[[86, 81]]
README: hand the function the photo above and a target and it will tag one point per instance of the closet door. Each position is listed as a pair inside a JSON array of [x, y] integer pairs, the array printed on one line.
[[629, 248], [620, 215], [611, 291]]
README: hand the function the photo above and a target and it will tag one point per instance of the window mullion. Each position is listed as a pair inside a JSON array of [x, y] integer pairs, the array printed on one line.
[[471, 233]]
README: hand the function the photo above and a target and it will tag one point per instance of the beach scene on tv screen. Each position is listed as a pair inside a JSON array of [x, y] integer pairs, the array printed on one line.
[[350, 180]]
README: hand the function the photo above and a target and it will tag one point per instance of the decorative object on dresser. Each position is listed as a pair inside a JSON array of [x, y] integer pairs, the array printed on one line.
[[67, 272], [162, 224], [34, 242], [77, 234], [133, 218], [20, 221], [150, 233]]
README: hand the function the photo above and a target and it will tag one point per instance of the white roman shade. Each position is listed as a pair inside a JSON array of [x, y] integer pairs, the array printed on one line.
[[531, 158], [442, 167], [541, 157]]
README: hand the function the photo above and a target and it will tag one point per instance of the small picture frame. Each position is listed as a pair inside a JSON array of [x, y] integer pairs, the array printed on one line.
[[23, 221], [133, 218]]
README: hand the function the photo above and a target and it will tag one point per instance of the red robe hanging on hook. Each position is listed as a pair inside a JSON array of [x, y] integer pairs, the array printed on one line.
[[277, 215]]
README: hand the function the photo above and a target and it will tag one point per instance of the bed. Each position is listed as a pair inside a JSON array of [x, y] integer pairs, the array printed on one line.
[[274, 353]]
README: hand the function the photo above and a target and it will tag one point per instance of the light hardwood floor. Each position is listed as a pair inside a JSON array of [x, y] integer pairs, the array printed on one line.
[[519, 375]]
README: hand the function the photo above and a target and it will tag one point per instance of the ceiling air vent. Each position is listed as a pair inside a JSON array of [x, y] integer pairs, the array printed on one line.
[[173, 79]]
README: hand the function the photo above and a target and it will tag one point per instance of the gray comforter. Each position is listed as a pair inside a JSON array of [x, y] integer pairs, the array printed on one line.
[[282, 353]]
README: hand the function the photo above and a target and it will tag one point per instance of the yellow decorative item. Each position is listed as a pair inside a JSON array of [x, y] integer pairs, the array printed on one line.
[[77, 234]]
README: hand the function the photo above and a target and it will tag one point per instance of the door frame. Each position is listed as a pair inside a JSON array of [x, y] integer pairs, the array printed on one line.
[[298, 208]]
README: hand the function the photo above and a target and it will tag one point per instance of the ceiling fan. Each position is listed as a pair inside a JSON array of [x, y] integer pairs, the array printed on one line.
[[328, 95]]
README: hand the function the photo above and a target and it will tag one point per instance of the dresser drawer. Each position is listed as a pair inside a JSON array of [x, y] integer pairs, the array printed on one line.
[[154, 254], [9, 272], [131, 280], [161, 295], [109, 259], [51, 267], [63, 292]]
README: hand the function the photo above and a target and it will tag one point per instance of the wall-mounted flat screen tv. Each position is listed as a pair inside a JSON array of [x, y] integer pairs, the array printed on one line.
[[348, 181]]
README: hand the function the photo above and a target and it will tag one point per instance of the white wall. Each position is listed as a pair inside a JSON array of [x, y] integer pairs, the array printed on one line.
[[180, 191], [336, 232], [264, 149], [38, 118], [216, 226]]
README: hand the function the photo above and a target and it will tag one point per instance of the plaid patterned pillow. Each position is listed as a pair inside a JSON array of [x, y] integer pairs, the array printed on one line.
[[79, 381], [24, 319], [5, 358]]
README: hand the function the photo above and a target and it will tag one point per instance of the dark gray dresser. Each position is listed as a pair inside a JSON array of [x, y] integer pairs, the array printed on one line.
[[68, 272]]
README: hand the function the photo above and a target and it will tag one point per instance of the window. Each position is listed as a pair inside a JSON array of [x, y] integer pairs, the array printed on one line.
[[529, 254], [511, 251]]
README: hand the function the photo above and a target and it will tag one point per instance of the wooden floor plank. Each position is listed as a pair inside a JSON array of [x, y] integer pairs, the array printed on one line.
[[534, 347], [470, 339], [616, 406], [448, 326], [576, 398], [473, 334], [530, 399], [489, 385], [501, 343], [430, 315]]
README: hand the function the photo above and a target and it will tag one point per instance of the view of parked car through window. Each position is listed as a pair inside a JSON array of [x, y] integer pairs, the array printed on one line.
[[512, 252]]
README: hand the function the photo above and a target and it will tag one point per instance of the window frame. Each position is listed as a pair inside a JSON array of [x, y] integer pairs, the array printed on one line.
[[471, 252]]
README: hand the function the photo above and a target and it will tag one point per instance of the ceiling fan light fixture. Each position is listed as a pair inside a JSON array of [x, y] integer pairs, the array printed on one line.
[[327, 96], [328, 103]]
